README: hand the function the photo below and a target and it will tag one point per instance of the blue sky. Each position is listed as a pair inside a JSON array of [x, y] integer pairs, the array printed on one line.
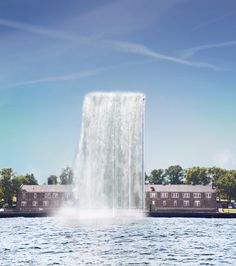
[[181, 54]]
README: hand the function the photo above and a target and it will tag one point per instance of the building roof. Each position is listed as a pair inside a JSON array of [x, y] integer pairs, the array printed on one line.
[[179, 188], [46, 188]]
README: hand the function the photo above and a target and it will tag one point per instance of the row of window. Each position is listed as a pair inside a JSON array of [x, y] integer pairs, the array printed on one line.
[[186, 203], [47, 195], [175, 195], [45, 203]]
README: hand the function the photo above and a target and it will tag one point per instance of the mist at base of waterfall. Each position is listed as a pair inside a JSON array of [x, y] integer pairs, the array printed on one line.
[[97, 216]]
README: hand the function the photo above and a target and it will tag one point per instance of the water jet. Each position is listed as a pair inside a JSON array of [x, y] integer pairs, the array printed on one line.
[[109, 164]]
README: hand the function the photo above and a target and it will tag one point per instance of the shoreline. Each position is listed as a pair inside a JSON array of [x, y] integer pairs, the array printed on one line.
[[15, 214], [192, 215]]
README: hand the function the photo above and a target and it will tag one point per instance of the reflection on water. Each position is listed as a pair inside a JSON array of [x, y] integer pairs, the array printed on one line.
[[150, 241]]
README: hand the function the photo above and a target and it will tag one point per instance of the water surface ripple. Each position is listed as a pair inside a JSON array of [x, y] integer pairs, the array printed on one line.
[[146, 241]]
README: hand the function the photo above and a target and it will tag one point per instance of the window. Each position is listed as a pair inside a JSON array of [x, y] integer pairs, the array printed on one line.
[[45, 203], [208, 195], [164, 195], [34, 203], [175, 195], [197, 203], [47, 195], [23, 203], [35, 195], [186, 203], [55, 195], [197, 195], [186, 195], [153, 202], [152, 195], [23, 195], [175, 203], [164, 203]]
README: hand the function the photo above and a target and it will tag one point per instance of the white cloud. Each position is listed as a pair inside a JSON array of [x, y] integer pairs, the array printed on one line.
[[68, 77], [136, 48], [192, 51], [39, 30]]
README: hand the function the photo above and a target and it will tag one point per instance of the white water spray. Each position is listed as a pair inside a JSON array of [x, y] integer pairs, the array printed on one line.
[[109, 164]]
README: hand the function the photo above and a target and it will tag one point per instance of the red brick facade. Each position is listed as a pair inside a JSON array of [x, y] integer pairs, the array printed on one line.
[[180, 197], [42, 198]]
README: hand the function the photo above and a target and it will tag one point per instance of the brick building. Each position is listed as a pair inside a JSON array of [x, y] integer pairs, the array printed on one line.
[[195, 198], [42, 197]]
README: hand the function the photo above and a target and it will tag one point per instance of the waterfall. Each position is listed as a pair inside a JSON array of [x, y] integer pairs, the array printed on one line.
[[108, 167]]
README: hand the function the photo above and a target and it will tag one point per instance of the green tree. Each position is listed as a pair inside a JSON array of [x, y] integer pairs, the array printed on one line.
[[157, 176], [17, 182], [1, 194], [20, 180], [197, 176], [174, 174], [226, 185], [52, 180], [30, 179], [66, 177], [215, 173], [6, 175]]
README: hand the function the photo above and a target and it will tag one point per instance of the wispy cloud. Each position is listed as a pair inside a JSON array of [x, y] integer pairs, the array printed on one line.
[[215, 20], [118, 18], [35, 29], [136, 48], [65, 77], [68, 77], [193, 50]]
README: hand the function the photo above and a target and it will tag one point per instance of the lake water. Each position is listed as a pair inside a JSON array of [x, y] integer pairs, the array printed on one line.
[[144, 241]]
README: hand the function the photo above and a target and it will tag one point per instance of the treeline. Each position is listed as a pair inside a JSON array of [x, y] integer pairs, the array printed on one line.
[[10, 183], [65, 178], [223, 180]]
